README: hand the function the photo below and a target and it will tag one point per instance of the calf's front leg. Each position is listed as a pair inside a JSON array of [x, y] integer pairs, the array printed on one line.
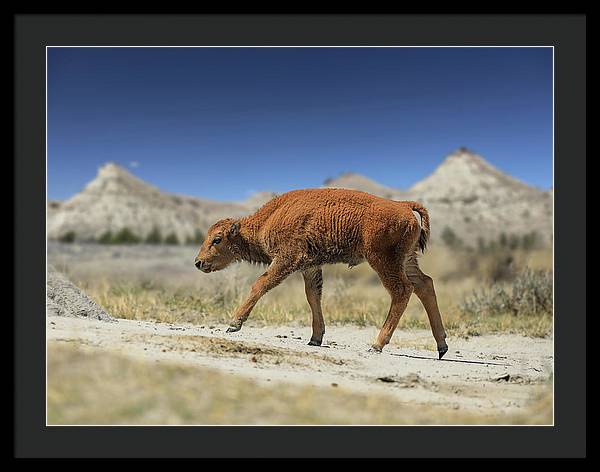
[[274, 275]]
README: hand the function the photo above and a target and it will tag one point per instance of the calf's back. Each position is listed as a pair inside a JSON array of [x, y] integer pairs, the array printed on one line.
[[333, 225]]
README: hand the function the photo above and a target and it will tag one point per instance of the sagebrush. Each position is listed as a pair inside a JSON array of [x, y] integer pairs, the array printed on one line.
[[530, 293]]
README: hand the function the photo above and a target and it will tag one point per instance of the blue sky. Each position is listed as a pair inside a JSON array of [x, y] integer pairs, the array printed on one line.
[[222, 123]]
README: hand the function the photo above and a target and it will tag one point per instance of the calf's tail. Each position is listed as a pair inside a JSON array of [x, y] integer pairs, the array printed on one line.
[[422, 211]]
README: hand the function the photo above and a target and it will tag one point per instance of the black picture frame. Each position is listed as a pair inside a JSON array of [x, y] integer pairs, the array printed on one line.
[[566, 33]]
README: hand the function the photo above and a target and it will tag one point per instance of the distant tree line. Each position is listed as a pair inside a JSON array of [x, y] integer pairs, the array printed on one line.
[[68, 237], [127, 236], [505, 241]]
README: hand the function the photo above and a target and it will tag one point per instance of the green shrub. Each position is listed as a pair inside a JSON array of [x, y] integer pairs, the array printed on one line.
[[530, 240], [196, 239], [529, 293], [492, 246], [526, 242], [68, 237], [154, 237], [106, 238], [171, 239], [199, 237], [483, 247], [450, 238], [501, 266], [513, 242], [125, 236], [503, 240]]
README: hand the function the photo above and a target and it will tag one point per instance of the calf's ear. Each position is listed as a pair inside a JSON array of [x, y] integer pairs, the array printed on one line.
[[234, 229]]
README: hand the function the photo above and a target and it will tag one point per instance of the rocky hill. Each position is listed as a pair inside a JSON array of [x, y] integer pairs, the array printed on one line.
[[472, 198], [116, 199], [465, 194], [360, 182]]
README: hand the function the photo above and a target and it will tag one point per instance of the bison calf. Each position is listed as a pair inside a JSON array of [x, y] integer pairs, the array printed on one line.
[[303, 229]]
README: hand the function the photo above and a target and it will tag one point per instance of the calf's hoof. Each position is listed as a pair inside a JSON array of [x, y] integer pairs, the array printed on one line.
[[375, 349], [442, 350], [314, 342], [233, 329]]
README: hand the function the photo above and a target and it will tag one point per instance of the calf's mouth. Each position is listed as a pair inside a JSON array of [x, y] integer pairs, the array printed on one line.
[[203, 266]]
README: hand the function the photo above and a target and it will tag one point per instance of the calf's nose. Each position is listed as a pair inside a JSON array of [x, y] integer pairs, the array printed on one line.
[[198, 264]]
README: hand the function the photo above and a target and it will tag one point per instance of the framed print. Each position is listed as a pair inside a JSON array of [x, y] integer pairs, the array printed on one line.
[[274, 231]]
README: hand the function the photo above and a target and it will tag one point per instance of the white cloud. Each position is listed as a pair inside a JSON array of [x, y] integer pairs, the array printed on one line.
[[134, 164]]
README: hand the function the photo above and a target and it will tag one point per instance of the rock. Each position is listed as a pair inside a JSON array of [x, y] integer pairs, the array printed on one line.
[[63, 298], [407, 381], [505, 377]]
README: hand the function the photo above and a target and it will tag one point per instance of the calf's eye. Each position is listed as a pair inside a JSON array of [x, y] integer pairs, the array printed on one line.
[[217, 240]]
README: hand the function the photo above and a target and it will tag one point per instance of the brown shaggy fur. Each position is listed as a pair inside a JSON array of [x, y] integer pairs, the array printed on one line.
[[303, 229]]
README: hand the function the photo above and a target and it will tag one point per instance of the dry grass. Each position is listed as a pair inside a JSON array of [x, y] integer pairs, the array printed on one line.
[[169, 289], [89, 386]]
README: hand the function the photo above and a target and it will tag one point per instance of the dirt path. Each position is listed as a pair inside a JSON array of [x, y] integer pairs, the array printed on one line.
[[486, 374]]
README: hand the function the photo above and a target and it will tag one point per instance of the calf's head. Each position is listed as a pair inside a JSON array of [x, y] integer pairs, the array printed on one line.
[[216, 252]]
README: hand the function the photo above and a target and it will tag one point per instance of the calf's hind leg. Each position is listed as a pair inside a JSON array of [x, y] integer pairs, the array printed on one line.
[[423, 287], [313, 286], [400, 289]]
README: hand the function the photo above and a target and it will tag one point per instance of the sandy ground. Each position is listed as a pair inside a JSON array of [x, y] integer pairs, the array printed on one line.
[[485, 374]]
